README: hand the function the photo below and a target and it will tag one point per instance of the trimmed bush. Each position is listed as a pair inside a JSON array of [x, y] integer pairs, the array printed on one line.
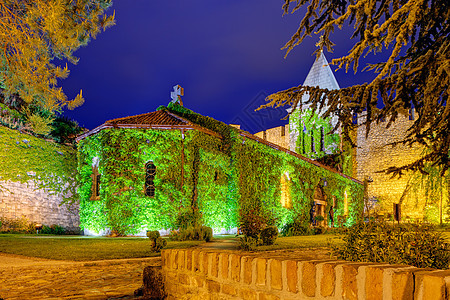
[[157, 242], [269, 235], [415, 244], [153, 234]]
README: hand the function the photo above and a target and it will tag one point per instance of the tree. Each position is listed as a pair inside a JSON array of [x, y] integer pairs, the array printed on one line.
[[35, 32], [415, 34]]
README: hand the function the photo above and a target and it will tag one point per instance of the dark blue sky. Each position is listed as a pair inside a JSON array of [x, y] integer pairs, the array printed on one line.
[[225, 54]]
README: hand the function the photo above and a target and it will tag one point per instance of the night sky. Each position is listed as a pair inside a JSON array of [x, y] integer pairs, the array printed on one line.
[[225, 54]]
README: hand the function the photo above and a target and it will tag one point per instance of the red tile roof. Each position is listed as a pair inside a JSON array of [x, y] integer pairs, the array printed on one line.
[[160, 117]]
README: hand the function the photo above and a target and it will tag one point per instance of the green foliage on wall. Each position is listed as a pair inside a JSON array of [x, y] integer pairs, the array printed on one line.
[[310, 126], [49, 165], [221, 181]]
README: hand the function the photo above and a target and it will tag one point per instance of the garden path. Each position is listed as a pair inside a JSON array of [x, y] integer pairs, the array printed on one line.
[[33, 278]]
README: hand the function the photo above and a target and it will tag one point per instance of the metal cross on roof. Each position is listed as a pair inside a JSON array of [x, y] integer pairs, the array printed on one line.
[[178, 91]]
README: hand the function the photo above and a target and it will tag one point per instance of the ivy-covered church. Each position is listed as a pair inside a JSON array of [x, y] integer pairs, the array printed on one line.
[[142, 172]]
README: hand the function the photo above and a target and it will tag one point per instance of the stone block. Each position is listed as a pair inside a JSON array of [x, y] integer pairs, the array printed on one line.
[[174, 259], [276, 281], [205, 264], [309, 279], [264, 296], [402, 286], [261, 269], [214, 259], [291, 275], [328, 280], [247, 261], [198, 281], [432, 285], [229, 289], [181, 259], [374, 283], [349, 283], [212, 286], [224, 260], [189, 260], [196, 261], [248, 294], [235, 267]]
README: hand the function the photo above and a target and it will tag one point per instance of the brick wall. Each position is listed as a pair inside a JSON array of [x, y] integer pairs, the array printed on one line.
[[199, 274], [38, 205]]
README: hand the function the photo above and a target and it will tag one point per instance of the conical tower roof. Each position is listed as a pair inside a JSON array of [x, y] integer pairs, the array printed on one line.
[[321, 74]]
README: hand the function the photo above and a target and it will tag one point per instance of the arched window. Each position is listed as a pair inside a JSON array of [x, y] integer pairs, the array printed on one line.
[[95, 188], [150, 172], [285, 191]]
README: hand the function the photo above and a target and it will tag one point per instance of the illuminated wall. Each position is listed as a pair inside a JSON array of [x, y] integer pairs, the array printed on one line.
[[421, 197], [37, 180], [225, 179]]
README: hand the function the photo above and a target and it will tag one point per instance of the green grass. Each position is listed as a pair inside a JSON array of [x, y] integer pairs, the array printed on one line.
[[305, 241], [81, 248]]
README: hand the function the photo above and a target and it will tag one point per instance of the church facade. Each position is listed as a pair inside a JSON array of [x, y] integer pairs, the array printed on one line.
[[146, 172]]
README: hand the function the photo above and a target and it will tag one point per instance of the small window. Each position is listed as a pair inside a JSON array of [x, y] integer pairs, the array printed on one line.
[[322, 139], [95, 189], [313, 144], [283, 131], [355, 118], [150, 172], [264, 135]]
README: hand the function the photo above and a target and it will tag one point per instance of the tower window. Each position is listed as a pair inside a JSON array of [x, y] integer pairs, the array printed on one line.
[[355, 118], [150, 172], [322, 139]]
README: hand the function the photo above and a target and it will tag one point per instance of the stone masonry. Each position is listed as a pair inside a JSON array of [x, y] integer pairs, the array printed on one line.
[[198, 274], [18, 200]]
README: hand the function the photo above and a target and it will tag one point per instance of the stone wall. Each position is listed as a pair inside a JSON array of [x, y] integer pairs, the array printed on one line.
[[374, 154], [38, 205], [277, 135], [199, 274]]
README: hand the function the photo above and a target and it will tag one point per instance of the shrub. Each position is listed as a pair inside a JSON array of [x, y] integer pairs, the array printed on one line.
[[198, 233], [269, 235], [188, 218], [156, 241], [252, 223], [416, 244], [153, 234], [57, 229], [300, 226], [248, 243]]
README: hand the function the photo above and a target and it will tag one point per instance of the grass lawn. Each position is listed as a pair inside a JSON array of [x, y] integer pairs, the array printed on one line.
[[81, 248], [305, 241]]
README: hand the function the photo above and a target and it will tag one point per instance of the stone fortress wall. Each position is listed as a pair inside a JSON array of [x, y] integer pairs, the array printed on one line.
[[38, 205], [375, 154], [277, 135]]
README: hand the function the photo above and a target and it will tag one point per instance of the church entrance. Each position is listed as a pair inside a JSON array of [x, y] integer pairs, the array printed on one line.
[[319, 215]]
